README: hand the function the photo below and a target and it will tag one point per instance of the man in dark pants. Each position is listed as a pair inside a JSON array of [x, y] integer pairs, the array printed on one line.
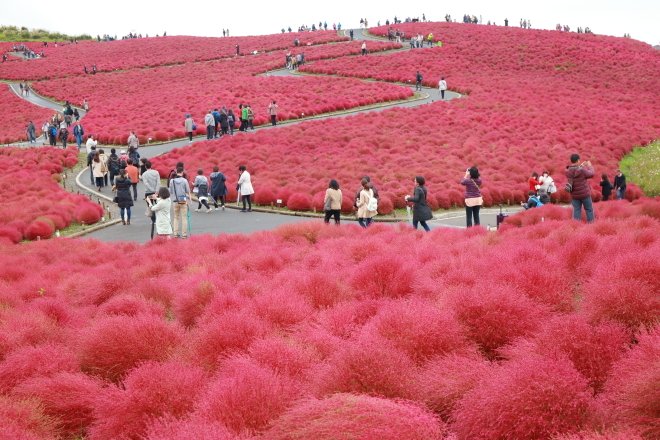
[[418, 83], [371, 185], [620, 185]]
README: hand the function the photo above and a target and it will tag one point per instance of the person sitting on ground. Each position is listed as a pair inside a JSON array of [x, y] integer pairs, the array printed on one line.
[[532, 202]]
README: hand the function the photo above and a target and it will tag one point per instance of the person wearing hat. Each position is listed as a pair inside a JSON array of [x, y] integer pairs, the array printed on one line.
[[123, 159], [189, 125]]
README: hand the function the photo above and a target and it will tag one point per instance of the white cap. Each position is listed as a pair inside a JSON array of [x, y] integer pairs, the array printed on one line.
[[122, 152]]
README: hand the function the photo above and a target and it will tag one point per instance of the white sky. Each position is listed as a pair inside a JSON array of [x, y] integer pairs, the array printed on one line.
[[257, 17]]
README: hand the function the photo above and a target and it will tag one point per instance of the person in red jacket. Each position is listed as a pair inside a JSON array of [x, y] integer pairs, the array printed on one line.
[[534, 181], [577, 174]]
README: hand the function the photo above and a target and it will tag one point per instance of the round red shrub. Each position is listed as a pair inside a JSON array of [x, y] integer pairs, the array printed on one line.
[[170, 428], [299, 202], [88, 213], [265, 196], [356, 417], [39, 229], [385, 206], [35, 361]]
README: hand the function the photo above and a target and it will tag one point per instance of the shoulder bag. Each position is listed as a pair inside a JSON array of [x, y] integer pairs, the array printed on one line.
[[475, 201]]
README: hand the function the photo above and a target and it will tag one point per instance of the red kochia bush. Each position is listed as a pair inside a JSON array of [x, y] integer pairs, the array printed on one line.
[[33, 361], [111, 346], [299, 202], [150, 390], [529, 399], [246, 397], [39, 229], [88, 213], [23, 419], [384, 276], [170, 428], [634, 386], [67, 398], [349, 416]]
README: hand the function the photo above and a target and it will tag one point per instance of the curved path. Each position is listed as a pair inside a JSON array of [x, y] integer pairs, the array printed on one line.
[[231, 220]]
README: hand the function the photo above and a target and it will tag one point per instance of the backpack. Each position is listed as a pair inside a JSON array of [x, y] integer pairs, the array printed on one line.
[[419, 77], [537, 201], [53, 131], [569, 185], [372, 204], [114, 165]]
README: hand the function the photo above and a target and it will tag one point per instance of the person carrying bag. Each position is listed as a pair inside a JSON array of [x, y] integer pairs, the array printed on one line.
[[473, 198]]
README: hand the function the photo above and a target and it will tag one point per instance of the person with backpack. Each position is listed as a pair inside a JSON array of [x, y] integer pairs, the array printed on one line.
[[606, 187], [473, 200], [371, 186], [231, 122], [124, 199], [578, 186], [52, 135], [367, 204], [113, 166], [172, 173], [78, 133], [201, 187], [180, 190], [218, 187], [532, 202], [420, 210], [245, 188], [418, 81]]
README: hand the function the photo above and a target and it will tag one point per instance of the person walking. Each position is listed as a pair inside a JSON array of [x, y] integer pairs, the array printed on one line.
[[272, 111], [606, 187], [473, 200], [180, 189], [30, 129], [98, 170], [161, 207], [420, 210], [245, 188], [189, 126], [134, 155], [151, 180], [113, 166], [201, 188], [52, 135], [227, 122], [216, 118], [78, 133], [367, 205], [418, 81], [620, 185], [442, 87], [578, 175], [91, 142], [244, 118], [132, 172], [332, 202], [104, 159], [209, 121], [218, 187], [133, 142], [250, 118], [124, 199], [364, 48]]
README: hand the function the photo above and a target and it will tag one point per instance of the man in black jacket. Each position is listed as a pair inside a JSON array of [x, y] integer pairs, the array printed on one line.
[[620, 185], [418, 83]]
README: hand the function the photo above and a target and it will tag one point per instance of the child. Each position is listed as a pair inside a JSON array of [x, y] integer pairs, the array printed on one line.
[[606, 187], [201, 185]]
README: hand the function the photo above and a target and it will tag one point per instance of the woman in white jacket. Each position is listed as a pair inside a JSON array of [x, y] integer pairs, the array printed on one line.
[[547, 183], [162, 206], [245, 188]]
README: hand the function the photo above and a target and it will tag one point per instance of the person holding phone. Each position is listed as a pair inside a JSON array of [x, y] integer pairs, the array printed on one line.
[[473, 200], [161, 206], [578, 175]]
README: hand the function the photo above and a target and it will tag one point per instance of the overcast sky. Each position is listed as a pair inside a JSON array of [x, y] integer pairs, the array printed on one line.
[[257, 17]]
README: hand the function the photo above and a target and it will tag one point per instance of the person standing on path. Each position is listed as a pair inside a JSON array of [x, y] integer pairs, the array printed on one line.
[[85, 105], [209, 121], [63, 136], [272, 111], [78, 133], [442, 87], [133, 142], [224, 123], [91, 142], [364, 48], [578, 175], [218, 187], [473, 200], [418, 81], [245, 188], [421, 210], [151, 180], [606, 187], [124, 199], [134, 156], [350, 33], [216, 118], [244, 118], [180, 189], [332, 202], [30, 131], [365, 215], [52, 135], [250, 118], [113, 166], [161, 208], [620, 185], [98, 170], [132, 172], [238, 50], [189, 126]]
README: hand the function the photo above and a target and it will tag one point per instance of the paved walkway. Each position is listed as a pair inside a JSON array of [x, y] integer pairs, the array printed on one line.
[[231, 220]]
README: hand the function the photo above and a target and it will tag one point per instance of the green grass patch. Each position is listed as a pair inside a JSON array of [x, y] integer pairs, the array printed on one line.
[[642, 167]]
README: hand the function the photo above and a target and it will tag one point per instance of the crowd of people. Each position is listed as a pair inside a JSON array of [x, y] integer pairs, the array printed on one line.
[[222, 121]]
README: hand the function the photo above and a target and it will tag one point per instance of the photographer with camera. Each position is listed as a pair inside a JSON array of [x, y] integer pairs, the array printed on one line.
[[579, 188], [161, 205]]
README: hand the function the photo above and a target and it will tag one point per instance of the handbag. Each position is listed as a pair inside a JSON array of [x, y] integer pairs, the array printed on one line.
[[194, 127], [115, 198], [372, 204], [327, 206], [475, 201]]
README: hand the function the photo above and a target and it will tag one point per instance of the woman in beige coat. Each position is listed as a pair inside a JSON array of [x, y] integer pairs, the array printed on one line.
[[99, 169], [332, 202], [365, 217]]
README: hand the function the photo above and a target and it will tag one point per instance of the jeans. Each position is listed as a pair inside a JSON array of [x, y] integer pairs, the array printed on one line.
[[588, 208], [246, 199], [31, 136], [180, 211], [423, 223], [332, 213], [620, 194], [365, 222], [91, 174], [273, 119], [112, 178], [79, 140], [472, 211], [128, 213], [210, 130]]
